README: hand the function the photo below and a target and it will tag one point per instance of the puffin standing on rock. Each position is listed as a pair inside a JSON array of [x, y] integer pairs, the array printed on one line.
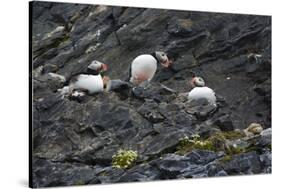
[[91, 82], [144, 66], [200, 91]]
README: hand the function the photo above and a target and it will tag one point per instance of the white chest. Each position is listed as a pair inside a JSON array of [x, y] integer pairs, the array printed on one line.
[[92, 83], [144, 64], [202, 93]]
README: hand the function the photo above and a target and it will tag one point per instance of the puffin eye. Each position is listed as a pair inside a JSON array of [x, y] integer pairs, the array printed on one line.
[[163, 54]]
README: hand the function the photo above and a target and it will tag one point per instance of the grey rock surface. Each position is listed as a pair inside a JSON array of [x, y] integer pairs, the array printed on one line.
[[74, 141]]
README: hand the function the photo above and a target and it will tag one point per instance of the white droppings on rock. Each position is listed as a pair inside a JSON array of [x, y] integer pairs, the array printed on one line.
[[91, 36], [73, 28], [92, 48], [40, 99], [91, 14], [266, 132], [124, 26], [56, 30], [65, 91], [37, 72], [98, 33], [60, 77], [100, 8], [255, 56]]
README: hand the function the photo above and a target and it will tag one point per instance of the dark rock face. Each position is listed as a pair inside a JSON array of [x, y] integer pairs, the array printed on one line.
[[74, 140], [248, 163]]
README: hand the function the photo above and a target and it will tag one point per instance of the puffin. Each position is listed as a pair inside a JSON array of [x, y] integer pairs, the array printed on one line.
[[143, 67], [89, 83], [93, 81], [200, 91], [83, 83], [96, 67]]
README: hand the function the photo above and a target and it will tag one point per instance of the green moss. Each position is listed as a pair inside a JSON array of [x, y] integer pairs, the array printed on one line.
[[220, 141], [124, 158], [232, 135], [204, 145], [104, 173], [80, 182], [54, 44], [226, 158], [253, 148], [217, 142], [59, 41], [187, 144], [229, 135], [233, 151]]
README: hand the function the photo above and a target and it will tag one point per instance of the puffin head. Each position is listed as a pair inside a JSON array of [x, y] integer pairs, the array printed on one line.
[[197, 82], [163, 59], [98, 66]]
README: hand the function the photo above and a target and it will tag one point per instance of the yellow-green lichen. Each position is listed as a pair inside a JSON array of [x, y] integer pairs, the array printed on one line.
[[124, 159], [217, 142], [226, 158], [103, 173], [228, 142], [232, 135], [79, 182], [187, 144]]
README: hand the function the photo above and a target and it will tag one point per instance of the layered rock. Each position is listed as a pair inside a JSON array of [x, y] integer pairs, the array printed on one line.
[[74, 141]]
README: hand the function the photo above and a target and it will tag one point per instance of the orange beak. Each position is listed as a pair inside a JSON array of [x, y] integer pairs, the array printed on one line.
[[104, 67], [170, 62], [192, 82], [167, 63]]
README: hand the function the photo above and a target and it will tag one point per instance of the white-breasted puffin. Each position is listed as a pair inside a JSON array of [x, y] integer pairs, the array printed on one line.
[[200, 91], [86, 84], [91, 82], [144, 66]]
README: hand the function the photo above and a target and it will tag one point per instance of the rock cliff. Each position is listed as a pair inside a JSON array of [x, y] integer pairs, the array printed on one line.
[[74, 141]]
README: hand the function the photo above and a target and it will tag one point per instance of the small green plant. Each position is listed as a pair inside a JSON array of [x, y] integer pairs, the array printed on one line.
[[226, 158], [124, 159], [231, 135], [80, 182], [186, 144], [217, 142]]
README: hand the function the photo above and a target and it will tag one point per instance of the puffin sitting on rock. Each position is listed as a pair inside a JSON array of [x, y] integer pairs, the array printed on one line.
[[90, 82], [200, 91], [144, 66]]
